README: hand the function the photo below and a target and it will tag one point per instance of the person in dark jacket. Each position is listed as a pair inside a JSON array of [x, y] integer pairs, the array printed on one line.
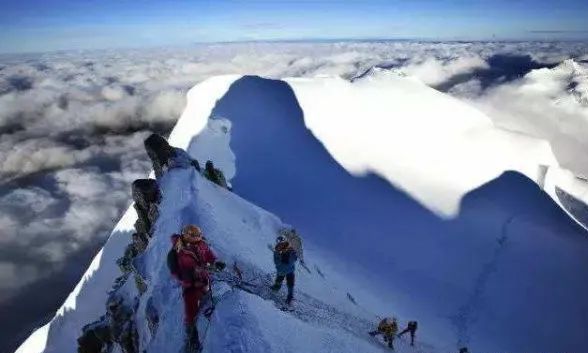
[[193, 260], [285, 260], [412, 327], [215, 175]]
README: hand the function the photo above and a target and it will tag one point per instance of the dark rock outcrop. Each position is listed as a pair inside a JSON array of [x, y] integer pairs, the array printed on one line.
[[146, 196], [152, 316], [116, 327], [159, 151], [122, 325], [95, 338]]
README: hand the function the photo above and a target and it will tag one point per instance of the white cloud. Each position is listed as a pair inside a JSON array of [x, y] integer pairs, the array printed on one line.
[[13, 276], [33, 155], [433, 71], [113, 93], [548, 103], [29, 202], [468, 90]]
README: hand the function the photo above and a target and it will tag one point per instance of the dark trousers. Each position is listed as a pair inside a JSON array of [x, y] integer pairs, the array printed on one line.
[[412, 332], [290, 278]]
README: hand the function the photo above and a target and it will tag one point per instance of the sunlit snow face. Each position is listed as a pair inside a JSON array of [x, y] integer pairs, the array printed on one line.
[[72, 125]]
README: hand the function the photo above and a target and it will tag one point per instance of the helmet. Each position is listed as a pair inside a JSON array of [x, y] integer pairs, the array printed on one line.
[[192, 230]]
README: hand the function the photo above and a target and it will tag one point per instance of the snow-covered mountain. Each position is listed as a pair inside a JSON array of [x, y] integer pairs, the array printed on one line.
[[410, 204]]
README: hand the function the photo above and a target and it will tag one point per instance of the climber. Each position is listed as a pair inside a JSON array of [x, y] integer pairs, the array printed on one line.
[[387, 327], [165, 157], [285, 260], [295, 242], [412, 327], [215, 175], [189, 261]]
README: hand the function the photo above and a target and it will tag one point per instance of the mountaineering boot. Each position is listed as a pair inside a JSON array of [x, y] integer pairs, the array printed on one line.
[[391, 343], [192, 340]]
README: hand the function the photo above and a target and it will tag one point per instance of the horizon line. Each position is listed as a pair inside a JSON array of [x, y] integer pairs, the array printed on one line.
[[303, 40]]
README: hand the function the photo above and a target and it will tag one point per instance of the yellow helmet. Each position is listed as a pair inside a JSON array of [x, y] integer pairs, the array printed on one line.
[[192, 230]]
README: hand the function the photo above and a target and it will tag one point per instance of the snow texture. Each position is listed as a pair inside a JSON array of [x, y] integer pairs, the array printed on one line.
[[455, 233]]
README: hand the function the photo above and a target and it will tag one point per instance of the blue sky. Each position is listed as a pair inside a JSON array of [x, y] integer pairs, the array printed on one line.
[[27, 26]]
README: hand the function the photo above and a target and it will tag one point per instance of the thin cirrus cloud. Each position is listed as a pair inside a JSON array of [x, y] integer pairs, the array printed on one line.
[[72, 125]]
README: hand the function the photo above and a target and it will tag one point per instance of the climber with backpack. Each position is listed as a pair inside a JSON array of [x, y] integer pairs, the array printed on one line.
[[189, 261], [294, 240], [388, 328], [285, 261]]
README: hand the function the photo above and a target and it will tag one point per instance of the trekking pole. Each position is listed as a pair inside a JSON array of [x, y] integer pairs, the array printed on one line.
[[208, 312]]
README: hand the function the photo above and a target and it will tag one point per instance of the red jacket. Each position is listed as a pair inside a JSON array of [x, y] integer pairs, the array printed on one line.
[[193, 260]]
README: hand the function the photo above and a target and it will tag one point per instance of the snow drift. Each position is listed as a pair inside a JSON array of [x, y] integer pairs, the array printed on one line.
[[452, 229]]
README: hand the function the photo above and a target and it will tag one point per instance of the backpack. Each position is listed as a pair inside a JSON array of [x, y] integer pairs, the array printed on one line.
[[172, 263], [174, 268]]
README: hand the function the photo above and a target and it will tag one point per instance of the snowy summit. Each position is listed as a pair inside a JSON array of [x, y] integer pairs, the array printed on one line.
[[410, 204]]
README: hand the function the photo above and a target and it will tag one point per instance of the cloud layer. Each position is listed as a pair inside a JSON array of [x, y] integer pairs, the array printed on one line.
[[72, 123], [550, 104]]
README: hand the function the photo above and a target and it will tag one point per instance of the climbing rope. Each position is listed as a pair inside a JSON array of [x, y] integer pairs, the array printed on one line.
[[209, 311]]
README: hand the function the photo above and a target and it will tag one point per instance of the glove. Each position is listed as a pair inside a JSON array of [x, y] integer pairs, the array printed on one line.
[[220, 265]]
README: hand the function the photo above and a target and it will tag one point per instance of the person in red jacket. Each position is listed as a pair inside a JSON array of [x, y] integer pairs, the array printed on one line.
[[193, 258]]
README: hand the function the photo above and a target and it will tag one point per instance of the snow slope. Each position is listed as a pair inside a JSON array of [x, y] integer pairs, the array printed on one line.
[[465, 277], [240, 232], [450, 237]]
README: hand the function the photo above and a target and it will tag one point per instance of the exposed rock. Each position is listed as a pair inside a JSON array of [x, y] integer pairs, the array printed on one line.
[[140, 283], [140, 242], [152, 316], [95, 338], [118, 325], [125, 263], [163, 156], [215, 175], [159, 151], [145, 192], [146, 196], [123, 330]]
